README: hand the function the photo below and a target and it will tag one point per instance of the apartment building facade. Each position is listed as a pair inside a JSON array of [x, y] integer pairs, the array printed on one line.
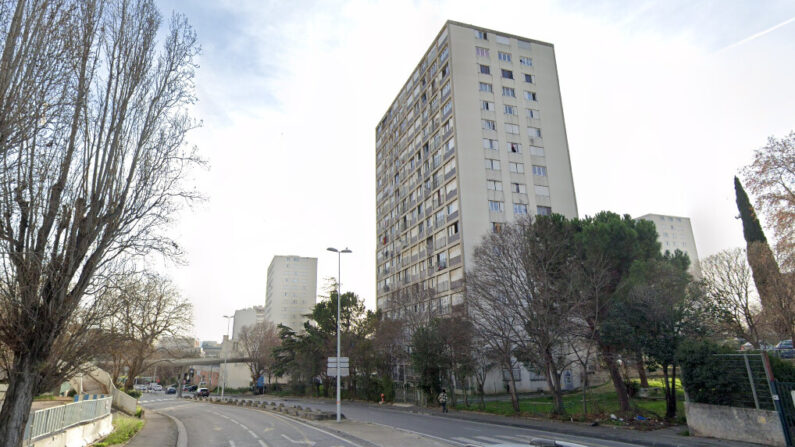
[[676, 233], [291, 291], [474, 139], [246, 317]]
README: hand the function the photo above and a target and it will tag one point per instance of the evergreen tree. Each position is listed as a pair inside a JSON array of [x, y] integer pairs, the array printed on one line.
[[752, 229]]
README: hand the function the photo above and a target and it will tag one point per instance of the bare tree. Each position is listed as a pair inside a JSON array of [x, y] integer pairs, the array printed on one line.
[[728, 283], [771, 177], [257, 343], [93, 119], [150, 309]]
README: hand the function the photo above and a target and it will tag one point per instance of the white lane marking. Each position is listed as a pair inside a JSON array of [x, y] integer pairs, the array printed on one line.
[[254, 435], [313, 428], [489, 439], [231, 443], [426, 435], [468, 441], [297, 442], [262, 443]]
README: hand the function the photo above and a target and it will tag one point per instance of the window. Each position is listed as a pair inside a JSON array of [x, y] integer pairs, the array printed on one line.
[[518, 188], [487, 105], [496, 227], [534, 132], [446, 89], [485, 69], [452, 229], [452, 208], [505, 57], [543, 211], [530, 96], [492, 164], [490, 144], [510, 110], [540, 170], [512, 128], [519, 208], [486, 87], [508, 91], [445, 70], [538, 151], [482, 35], [496, 206], [441, 260], [526, 61], [494, 185], [480, 51], [507, 74], [529, 78], [517, 168], [533, 114], [523, 44], [542, 190], [503, 40], [447, 108], [443, 54], [515, 148], [489, 125]]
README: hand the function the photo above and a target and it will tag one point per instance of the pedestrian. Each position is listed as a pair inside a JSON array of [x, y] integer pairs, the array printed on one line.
[[443, 400]]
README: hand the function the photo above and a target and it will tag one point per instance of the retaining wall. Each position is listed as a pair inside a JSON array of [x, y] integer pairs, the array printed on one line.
[[734, 423], [79, 435]]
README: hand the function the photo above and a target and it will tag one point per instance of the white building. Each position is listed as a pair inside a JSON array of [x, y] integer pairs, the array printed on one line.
[[474, 139], [676, 233], [291, 290], [246, 317]]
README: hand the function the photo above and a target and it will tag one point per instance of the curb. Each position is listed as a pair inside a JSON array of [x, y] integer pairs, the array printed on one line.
[[182, 433]]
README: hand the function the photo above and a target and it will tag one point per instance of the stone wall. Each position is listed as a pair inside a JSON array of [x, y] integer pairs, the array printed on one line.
[[734, 423]]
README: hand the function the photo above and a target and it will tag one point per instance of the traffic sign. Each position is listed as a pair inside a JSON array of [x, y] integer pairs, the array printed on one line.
[[332, 372], [343, 361]]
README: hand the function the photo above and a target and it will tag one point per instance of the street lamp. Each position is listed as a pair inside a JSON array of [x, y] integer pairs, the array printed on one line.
[[339, 298], [226, 354]]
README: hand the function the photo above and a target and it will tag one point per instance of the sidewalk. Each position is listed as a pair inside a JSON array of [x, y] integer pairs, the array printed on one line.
[[159, 430]]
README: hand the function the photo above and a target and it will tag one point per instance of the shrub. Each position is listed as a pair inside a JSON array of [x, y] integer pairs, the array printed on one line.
[[134, 393], [706, 378], [71, 393]]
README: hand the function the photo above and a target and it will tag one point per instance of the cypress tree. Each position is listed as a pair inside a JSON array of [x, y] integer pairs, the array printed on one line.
[[752, 229]]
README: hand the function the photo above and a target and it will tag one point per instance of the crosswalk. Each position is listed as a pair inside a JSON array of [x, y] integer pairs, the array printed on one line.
[[146, 401]]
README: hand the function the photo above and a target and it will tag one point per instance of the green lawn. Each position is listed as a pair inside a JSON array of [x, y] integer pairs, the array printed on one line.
[[124, 428], [602, 401]]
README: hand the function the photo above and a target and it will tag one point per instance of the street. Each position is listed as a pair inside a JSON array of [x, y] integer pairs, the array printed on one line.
[[222, 425]]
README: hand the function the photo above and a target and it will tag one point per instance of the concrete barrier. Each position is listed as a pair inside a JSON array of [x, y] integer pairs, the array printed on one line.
[[734, 423], [83, 434]]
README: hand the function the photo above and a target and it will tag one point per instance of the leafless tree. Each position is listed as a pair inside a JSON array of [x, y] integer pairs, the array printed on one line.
[[729, 285], [93, 119], [150, 309], [257, 342], [771, 177]]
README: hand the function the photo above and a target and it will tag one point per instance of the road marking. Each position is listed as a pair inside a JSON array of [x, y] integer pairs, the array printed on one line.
[[489, 439], [468, 441], [231, 443], [297, 442], [262, 443], [313, 428]]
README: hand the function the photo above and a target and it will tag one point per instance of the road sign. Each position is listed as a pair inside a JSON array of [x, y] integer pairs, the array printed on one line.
[[332, 372], [343, 361]]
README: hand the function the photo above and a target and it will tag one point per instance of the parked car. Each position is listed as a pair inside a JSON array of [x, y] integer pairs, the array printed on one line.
[[171, 390], [155, 387], [784, 344], [785, 350], [203, 392], [139, 387]]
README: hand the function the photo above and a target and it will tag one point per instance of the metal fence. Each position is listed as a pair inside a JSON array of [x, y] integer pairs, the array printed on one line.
[[751, 386], [55, 419]]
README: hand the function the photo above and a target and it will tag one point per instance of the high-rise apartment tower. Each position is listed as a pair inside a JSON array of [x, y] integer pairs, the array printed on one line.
[[291, 290], [676, 233], [474, 139]]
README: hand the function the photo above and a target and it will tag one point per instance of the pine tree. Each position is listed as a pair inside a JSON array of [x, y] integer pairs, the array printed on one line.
[[752, 229]]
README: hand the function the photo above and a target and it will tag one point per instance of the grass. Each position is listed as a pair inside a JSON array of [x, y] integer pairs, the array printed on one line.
[[602, 401], [124, 428]]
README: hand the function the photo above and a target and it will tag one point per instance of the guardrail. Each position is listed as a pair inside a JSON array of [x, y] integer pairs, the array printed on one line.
[[55, 419]]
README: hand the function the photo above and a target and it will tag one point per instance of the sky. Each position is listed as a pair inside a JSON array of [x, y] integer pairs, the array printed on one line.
[[664, 103]]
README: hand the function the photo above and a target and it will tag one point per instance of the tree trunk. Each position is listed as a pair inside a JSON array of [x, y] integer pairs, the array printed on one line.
[[670, 393], [18, 399], [482, 395], [585, 388], [514, 397], [618, 381], [641, 365]]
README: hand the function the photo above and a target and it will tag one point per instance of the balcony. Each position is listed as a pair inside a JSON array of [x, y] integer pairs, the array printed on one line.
[[454, 238], [457, 284], [452, 216], [449, 174], [452, 194], [455, 261]]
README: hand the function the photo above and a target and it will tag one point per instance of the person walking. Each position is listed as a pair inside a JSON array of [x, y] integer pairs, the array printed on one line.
[[443, 400]]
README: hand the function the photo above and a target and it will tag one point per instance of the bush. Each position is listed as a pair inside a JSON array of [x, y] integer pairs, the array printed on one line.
[[707, 380], [71, 393], [134, 393], [632, 387]]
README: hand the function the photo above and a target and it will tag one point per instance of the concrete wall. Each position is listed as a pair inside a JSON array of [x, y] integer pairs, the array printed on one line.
[[79, 435], [735, 424]]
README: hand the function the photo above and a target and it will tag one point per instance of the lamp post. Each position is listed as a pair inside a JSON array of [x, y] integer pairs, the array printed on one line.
[[339, 298], [226, 354]]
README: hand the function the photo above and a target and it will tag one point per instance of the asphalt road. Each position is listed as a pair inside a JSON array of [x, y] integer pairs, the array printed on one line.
[[207, 424], [453, 431], [213, 425]]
